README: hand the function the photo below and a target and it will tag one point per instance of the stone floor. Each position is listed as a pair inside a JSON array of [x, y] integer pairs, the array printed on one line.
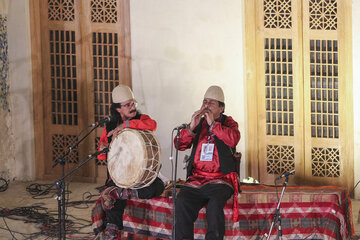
[[42, 213], [45, 211]]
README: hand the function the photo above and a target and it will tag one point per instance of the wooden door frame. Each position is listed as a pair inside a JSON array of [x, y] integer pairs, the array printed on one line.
[[251, 153], [37, 73]]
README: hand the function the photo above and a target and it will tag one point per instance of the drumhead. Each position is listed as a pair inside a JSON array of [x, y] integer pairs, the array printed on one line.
[[128, 159]]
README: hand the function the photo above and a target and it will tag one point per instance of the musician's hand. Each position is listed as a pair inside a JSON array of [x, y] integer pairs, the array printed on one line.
[[209, 116], [116, 131], [195, 119], [103, 145]]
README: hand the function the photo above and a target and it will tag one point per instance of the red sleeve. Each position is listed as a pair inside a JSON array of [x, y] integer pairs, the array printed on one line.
[[185, 139], [228, 132], [103, 138], [144, 123]]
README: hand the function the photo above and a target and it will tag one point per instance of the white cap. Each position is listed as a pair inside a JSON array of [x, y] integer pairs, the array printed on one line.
[[121, 93], [216, 93]]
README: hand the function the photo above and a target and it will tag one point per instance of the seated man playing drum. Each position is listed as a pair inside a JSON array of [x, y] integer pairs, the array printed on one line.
[[112, 201]]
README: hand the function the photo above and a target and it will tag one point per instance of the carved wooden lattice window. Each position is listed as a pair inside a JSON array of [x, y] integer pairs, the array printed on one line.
[[61, 143], [325, 162], [299, 65], [61, 10], [279, 87], [64, 100], [323, 14], [104, 11], [280, 159], [83, 52], [97, 161], [324, 89], [277, 13], [106, 71]]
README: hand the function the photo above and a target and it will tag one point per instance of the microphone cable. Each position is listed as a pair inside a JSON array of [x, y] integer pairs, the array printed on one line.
[[36, 188], [8, 229], [4, 185], [47, 220]]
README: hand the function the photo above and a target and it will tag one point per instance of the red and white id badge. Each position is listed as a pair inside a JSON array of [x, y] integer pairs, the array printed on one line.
[[207, 151]]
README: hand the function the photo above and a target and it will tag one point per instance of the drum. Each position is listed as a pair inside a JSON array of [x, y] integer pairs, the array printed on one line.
[[134, 158]]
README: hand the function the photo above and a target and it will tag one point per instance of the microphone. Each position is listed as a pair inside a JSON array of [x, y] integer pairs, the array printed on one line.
[[101, 121], [286, 174], [182, 126]]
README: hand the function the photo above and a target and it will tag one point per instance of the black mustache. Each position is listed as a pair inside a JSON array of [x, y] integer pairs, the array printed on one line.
[[132, 111]]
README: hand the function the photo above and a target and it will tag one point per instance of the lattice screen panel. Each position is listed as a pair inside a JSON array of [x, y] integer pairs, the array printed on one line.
[[64, 90], [61, 10], [324, 88], [61, 144], [106, 71], [300, 66], [280, 159], [323, 14], [83, 51], [104, 11], [279, 99], [325, 162], [277, 13], [97, 161]]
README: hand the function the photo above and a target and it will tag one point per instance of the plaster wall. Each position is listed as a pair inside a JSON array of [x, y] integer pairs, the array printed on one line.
[[179, 49], [17, 147], [7, 141], [356, 87]]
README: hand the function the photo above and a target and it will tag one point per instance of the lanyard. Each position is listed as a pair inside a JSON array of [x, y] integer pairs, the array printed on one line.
[[212, 134]]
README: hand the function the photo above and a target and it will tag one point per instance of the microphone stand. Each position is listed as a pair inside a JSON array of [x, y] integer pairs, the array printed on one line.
[[174, 183], [60, 185], [277, 215]]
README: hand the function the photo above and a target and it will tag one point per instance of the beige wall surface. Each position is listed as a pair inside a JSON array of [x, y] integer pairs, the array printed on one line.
[[356, 87], [4, 7], [179, 49], [6, 146], [7, 140], [18, 144]]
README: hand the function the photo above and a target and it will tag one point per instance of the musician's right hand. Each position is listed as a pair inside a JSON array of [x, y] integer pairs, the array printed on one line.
[[116, 131], [195, 119], [103, 145]]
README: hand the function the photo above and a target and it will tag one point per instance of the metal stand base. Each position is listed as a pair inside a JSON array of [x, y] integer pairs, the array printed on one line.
[[277, 215]]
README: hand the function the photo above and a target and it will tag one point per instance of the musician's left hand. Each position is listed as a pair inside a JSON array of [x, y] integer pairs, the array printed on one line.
[[116, 131], [209, 116]]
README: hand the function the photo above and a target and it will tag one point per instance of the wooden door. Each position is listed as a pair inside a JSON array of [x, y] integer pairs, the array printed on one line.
[[84, 49], [328, 93], [280, 90], [299, 77]]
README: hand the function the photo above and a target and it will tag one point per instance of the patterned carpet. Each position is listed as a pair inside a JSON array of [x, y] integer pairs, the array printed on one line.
[[312, 212]]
